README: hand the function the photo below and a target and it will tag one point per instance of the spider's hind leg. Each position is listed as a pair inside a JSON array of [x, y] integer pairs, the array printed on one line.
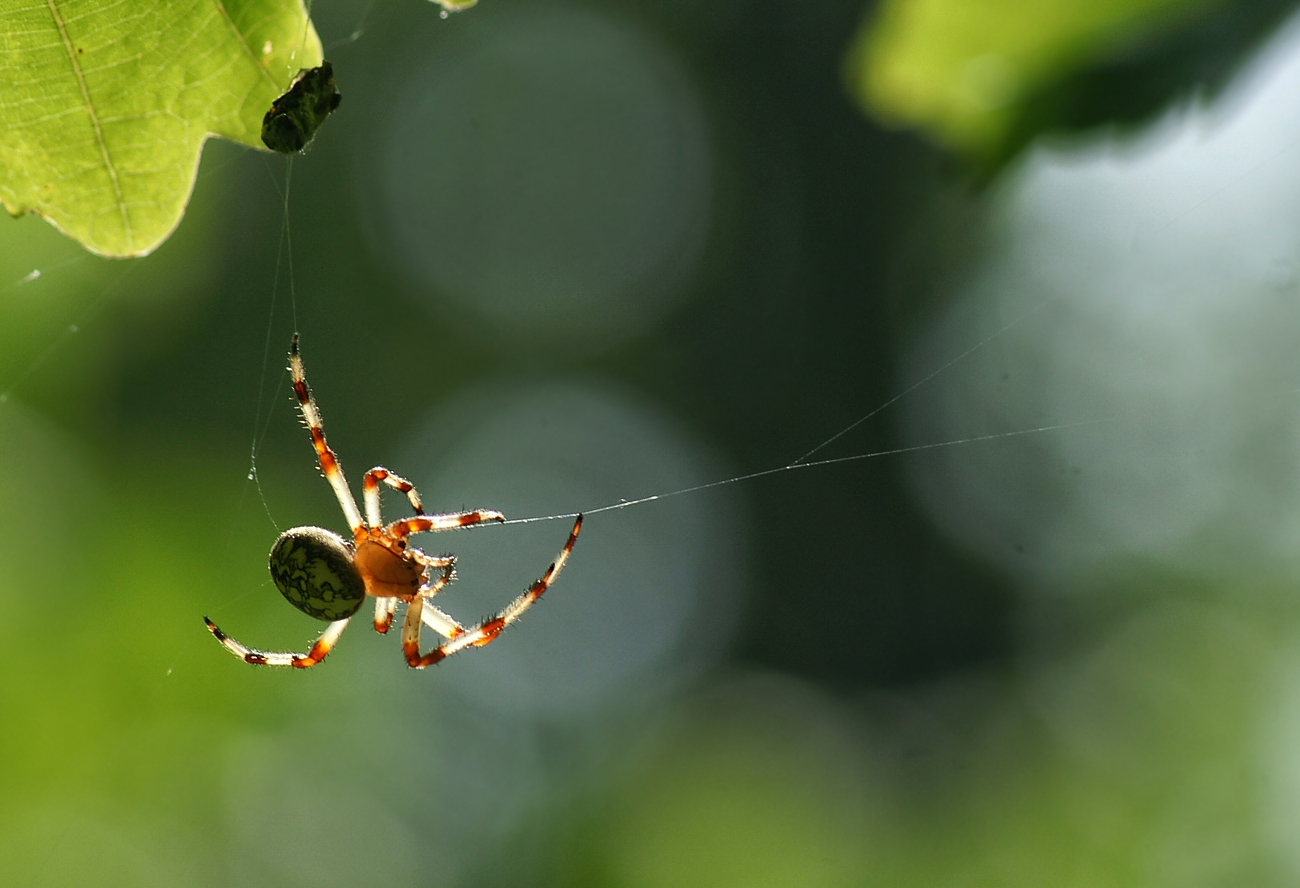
[[319, 650]]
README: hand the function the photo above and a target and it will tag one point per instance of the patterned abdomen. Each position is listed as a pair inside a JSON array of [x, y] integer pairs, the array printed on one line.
[[313, 569]]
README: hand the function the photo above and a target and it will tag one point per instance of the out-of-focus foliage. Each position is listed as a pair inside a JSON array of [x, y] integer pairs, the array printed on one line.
[[106, 105], [1130, 761], [986, 77]]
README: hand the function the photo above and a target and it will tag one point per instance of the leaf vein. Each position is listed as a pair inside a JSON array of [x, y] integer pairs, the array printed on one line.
[[243, 42], [94, 119]]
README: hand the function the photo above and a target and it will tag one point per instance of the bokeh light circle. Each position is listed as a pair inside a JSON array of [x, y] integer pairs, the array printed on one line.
[[648, 597], [1142, 298], [550, 174]]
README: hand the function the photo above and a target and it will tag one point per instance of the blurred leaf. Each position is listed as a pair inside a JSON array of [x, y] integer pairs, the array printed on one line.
[[455, 5], [107, 105], [985, 77]]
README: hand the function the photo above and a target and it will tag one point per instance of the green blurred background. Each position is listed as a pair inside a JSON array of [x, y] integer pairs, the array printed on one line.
[[549, 256]]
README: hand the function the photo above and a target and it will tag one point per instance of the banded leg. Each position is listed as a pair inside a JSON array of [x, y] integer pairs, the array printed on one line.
[[404, 527], [434, 617], [370, 488], [421, 609], [319, 650], [487, 631], [431, 615], [439, 621], [385, 610], [329, 463]]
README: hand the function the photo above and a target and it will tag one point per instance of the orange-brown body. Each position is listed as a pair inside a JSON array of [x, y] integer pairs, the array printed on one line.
[[388, 571]]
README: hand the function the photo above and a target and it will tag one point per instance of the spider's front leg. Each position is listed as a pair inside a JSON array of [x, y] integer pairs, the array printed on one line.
[[485, 632], [319, 650], [370, 491], [404, 527], [329, 462]]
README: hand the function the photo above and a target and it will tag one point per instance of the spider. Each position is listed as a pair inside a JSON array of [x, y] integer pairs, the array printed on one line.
[[328, 577]]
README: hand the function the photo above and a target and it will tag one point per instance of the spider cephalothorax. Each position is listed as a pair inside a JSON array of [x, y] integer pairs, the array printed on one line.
[[328, 577]]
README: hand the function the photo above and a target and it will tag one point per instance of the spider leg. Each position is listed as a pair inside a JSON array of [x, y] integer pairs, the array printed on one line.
[[370, 487], [329, 463], [487, 631], [439, 621], [319, 650], [444, 563], [404, 527], [385, 610], [431, 615]]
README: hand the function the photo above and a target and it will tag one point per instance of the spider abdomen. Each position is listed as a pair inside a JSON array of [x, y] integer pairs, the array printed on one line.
[[312, 567], [386, 573]]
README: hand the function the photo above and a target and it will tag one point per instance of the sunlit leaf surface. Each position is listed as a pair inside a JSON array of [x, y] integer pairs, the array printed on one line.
[[106, 105]]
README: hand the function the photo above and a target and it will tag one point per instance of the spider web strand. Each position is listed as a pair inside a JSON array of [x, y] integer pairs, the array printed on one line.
[[916, 385], [831, 461]]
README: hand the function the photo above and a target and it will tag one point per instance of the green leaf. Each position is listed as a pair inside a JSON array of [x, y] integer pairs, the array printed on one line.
[[985, 77], [106, 105]]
